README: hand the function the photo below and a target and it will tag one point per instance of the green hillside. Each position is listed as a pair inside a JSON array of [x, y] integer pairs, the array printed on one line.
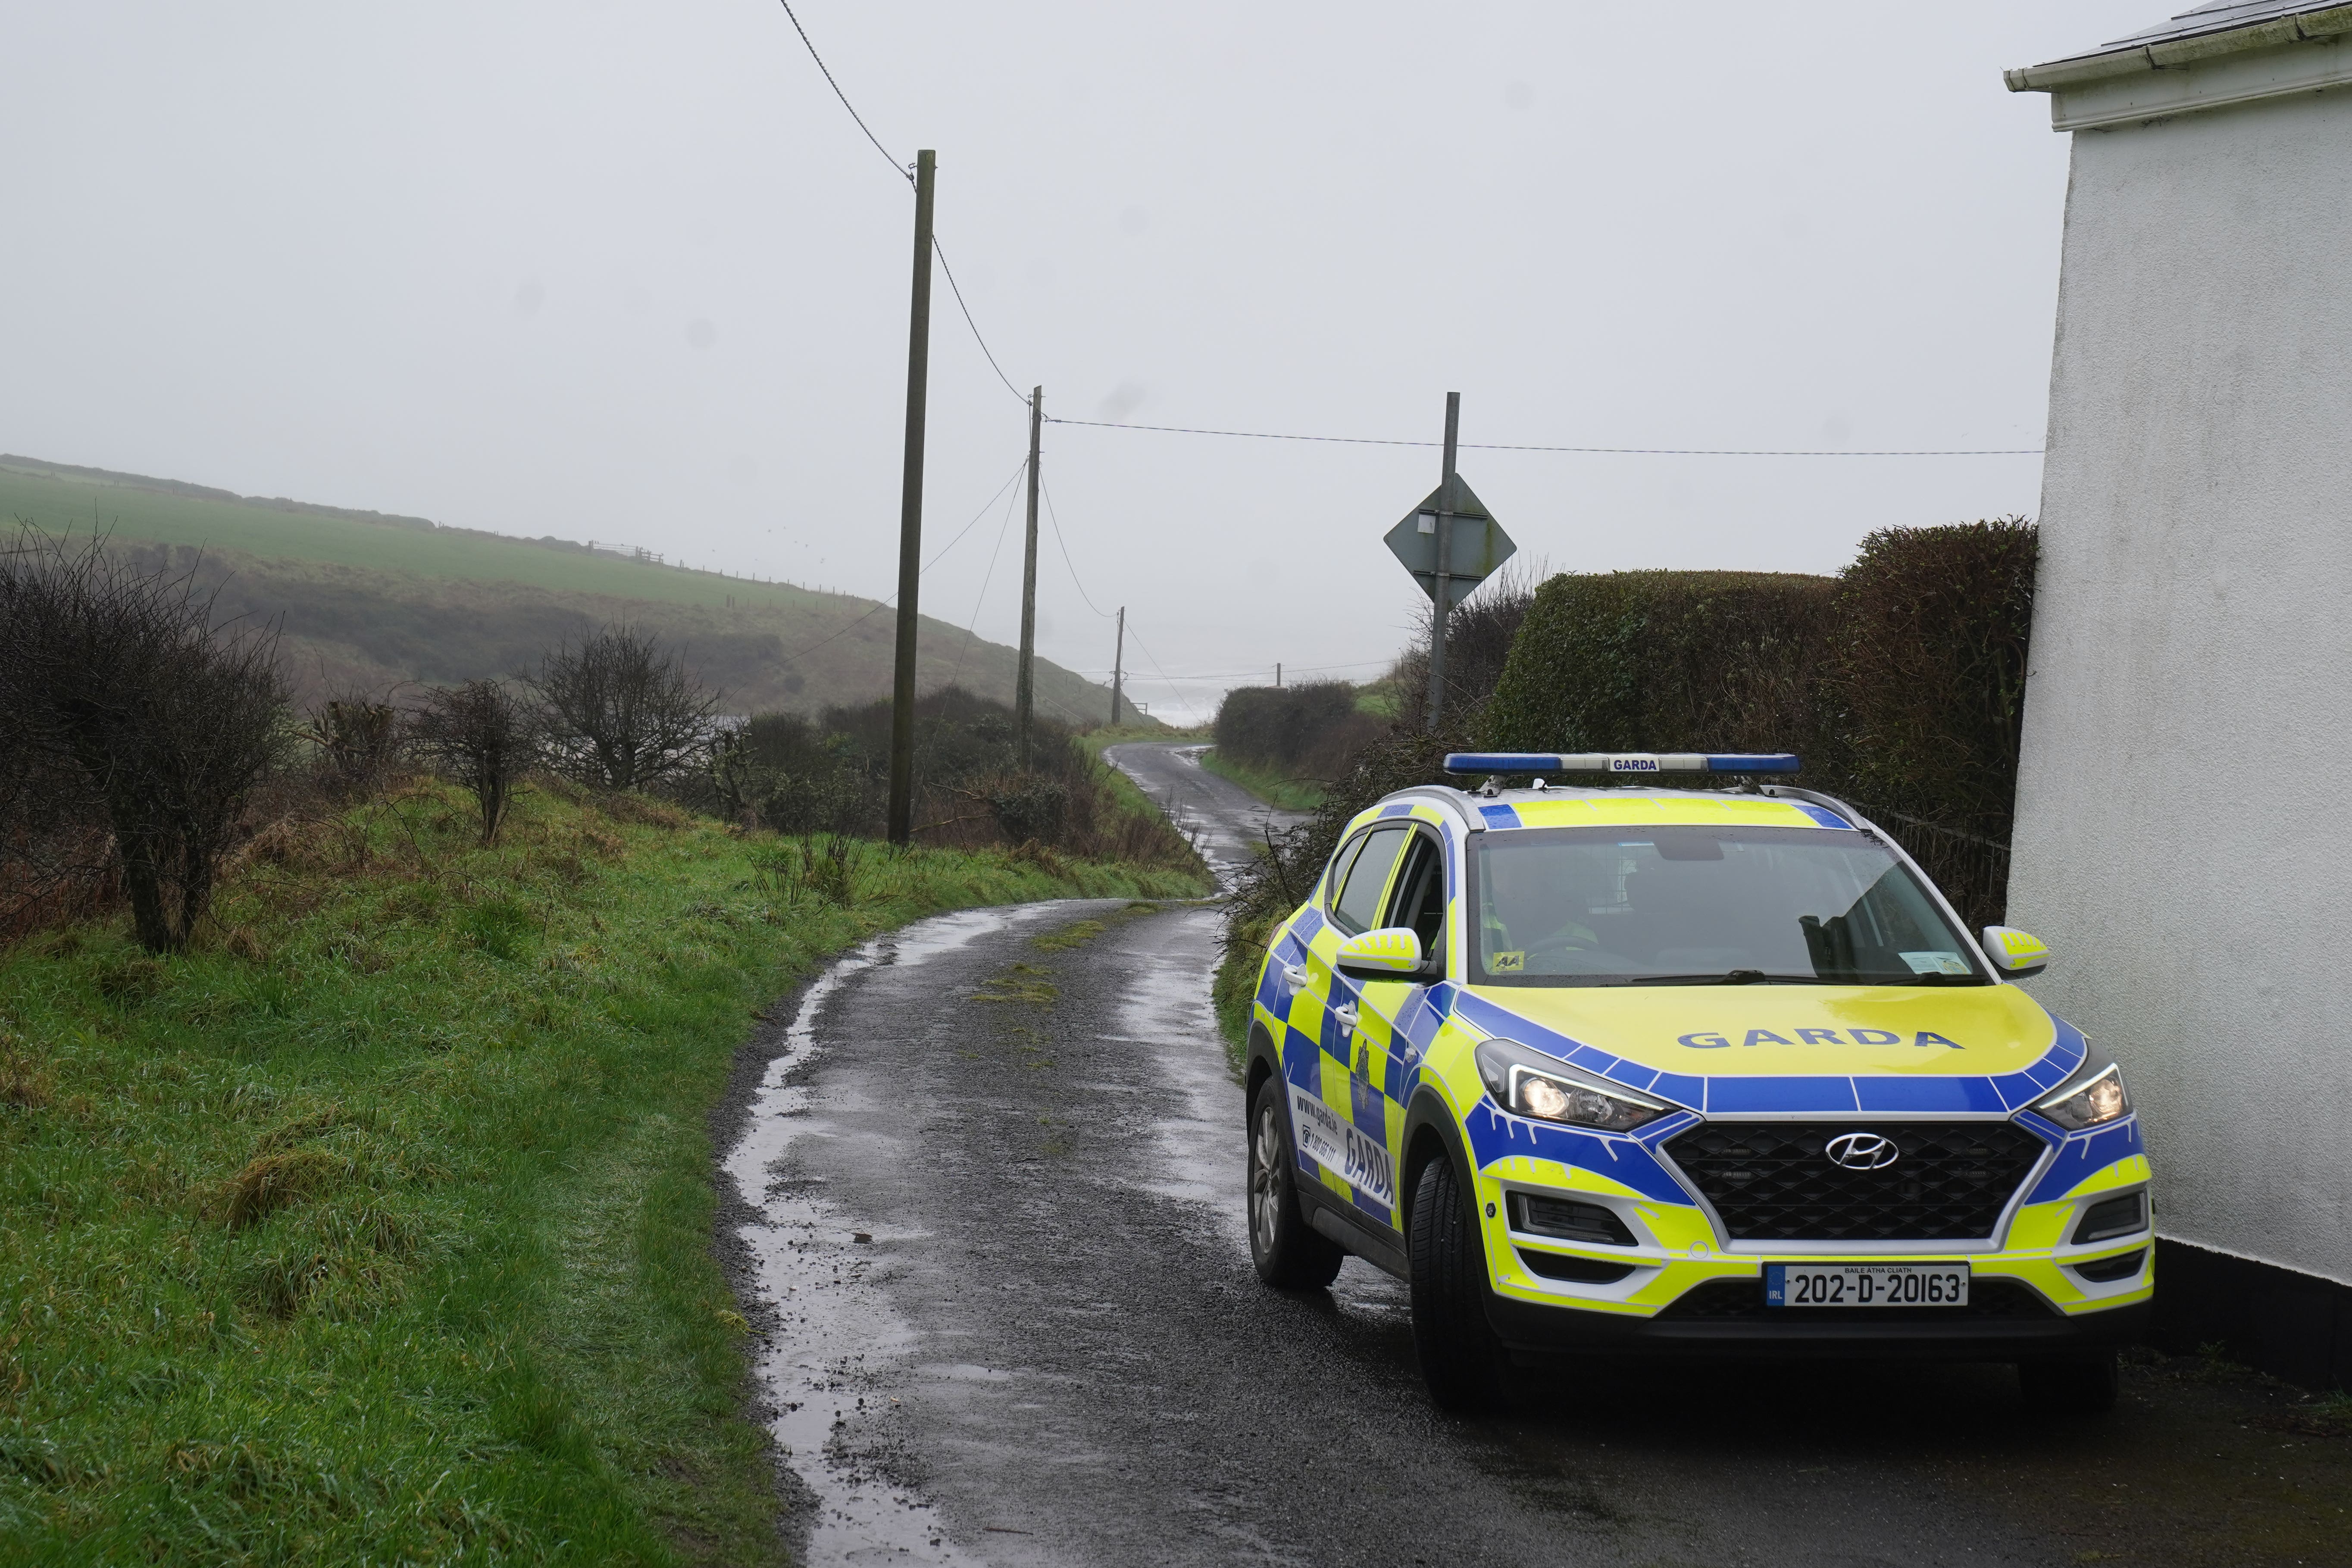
[[366, 599]]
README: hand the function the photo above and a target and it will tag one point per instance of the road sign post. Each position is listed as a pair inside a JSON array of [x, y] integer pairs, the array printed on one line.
[[1450, 543]]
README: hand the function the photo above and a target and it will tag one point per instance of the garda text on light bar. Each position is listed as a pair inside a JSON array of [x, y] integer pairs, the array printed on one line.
[[1621, 763]]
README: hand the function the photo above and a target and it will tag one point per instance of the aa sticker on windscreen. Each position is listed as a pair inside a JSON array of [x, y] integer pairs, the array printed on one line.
[[1935, 962], [1512, 962]]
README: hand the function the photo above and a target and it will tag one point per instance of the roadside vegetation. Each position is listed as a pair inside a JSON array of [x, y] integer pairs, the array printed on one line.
[[1270, 786], [377, 1227], [830, 774], [1286, 743], [355, 1178]]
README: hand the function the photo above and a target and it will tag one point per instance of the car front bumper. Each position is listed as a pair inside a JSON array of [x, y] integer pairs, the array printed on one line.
[[1535, 1332]]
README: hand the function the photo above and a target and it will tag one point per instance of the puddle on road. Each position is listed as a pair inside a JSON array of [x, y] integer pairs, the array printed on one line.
[[1196, 1137], [1200, 1149], [840, 1347]]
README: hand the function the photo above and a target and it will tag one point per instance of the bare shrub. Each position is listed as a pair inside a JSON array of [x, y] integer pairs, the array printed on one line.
[[357, 737], [782, 772], [621, 713], [482, 737], [127, 706], [1478, 639], [830, 777]]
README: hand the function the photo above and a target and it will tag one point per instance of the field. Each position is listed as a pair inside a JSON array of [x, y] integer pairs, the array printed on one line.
[[378, 1229], [369, 603]]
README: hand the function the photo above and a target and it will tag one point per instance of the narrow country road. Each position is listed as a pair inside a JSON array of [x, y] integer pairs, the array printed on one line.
[[983, 1200]]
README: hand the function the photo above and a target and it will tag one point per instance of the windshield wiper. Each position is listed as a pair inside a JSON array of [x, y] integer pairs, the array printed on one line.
[[1732, 977]]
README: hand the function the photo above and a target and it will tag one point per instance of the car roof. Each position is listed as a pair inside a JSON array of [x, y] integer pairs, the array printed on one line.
[[1580, 808]]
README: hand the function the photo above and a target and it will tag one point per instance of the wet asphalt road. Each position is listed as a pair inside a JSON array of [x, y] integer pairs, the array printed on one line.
[[986, 1219]]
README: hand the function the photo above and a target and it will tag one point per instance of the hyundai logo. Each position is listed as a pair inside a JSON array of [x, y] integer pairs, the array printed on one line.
[[1862, 1152]]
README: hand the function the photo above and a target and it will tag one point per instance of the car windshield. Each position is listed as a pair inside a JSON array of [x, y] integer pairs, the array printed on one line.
[[1580, 906]]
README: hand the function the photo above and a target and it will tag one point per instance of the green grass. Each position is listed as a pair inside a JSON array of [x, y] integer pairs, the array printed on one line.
[[1291, 794], [378, 1229], [1124, 790], [58, 503], [1379, 698], [1234, 986]]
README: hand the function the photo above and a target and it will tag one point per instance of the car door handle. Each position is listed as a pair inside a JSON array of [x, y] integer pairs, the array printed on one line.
[[1346, 1013], [1294, 977]]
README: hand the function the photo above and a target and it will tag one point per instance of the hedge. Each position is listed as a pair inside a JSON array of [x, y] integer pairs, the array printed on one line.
[[1900, 682], [1310, 731], [1669, 661]]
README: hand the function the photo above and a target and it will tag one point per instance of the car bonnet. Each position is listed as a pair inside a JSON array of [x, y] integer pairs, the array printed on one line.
[[1987, 1048]]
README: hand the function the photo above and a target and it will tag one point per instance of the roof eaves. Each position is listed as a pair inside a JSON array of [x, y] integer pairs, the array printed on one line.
[[2180, 53]]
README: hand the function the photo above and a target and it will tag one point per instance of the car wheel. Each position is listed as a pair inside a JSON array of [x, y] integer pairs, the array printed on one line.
[[2079, 1385], [1290, 1253], [1461, 1360]]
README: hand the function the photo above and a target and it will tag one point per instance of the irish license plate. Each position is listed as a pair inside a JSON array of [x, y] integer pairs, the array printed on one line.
[[1866, 1284]]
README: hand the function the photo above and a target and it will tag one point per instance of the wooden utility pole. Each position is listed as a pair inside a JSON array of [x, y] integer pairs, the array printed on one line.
[[910, 513], [1117, 659], [1442, 609], [1277, 675], [1024, 682]]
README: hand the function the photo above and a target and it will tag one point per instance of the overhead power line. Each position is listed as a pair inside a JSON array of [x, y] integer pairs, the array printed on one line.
[[1174, 690], [957, 289], [972, 629], [897, 168], [905, 173], [1065, 545], [1611, 451], [1261, 670], [881, 605]]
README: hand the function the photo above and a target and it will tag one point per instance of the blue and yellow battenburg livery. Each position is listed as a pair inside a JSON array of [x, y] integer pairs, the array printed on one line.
[[1627, 1068]]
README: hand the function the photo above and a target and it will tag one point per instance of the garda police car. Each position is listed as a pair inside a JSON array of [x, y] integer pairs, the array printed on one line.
[[1608, 1069]]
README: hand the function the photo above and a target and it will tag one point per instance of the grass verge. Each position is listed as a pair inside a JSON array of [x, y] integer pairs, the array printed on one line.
[[379, 1230], [1291, 794], [1235, 984]]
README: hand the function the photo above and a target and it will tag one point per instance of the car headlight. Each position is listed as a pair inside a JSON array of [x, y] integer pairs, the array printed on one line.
[[2100, 1100], [1530, 1083]]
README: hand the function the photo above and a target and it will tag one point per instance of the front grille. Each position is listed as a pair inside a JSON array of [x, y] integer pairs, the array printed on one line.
[[1745, 1299], [1774, 1181]]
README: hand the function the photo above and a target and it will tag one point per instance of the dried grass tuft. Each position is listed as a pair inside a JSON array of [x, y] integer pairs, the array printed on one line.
[[273, 1182]]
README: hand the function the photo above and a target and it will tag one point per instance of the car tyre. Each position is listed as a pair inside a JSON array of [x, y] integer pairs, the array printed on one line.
[[1461, 1360], [1290, 1253], [2078, 1385]]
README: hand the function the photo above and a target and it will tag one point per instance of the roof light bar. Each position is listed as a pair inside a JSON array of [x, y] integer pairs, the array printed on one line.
[[1621, 763]]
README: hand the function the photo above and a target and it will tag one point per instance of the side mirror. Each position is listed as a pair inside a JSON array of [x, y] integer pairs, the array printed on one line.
[[1392, 952], [2015, 952]]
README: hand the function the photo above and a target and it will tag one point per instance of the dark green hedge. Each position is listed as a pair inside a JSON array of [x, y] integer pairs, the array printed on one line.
[[1668, 662], [1900, 682], [1934, 624], [1310, 731]]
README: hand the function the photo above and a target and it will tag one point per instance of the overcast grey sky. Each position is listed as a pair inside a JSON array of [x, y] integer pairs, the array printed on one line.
[[628, 271]]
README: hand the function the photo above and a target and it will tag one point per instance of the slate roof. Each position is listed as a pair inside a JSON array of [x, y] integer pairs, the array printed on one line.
[[2217, 28], [2217, 17]]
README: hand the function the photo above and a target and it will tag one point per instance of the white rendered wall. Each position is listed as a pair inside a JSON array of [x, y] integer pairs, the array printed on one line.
[[2182, 836]]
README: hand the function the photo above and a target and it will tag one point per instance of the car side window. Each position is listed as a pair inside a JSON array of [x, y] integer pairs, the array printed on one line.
[[1334, 879], [1358, 903], [1420, 900]]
